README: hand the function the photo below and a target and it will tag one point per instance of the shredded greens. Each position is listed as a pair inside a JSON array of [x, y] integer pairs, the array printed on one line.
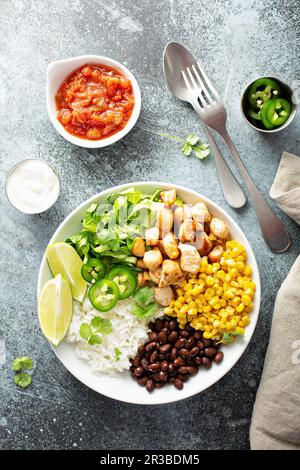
[[109, 229]]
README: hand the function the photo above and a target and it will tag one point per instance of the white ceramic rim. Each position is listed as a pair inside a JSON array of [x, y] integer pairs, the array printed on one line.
[[183, 394], [92, 59]]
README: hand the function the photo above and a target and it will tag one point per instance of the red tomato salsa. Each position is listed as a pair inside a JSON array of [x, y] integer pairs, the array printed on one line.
[[94, 102]]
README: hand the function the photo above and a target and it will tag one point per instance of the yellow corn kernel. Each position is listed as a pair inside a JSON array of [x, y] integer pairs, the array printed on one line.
[[236, 301], [240, 308], [228, 294], [209, 280], [239, 330], [246, 299], [168, 310], [192, 311], [246, 320], [249, 292], [206, 308]]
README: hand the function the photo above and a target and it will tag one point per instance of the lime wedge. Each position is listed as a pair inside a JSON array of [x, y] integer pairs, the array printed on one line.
[[55, 309], [63, 259]]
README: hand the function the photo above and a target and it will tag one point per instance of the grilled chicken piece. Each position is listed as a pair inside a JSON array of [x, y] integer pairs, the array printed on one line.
[[187, 231], [152, 236], [219, 228], [170, 245], [216, 254], [165, 220], [200, 213], [168, 197], [163, 295], [155, 275], [170, 273], [204, 244], [138, 248], [153, 259], [143, 278], [140, 264], [190, 258]]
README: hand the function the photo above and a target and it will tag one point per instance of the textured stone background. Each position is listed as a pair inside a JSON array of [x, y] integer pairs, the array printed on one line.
[[237, 41]]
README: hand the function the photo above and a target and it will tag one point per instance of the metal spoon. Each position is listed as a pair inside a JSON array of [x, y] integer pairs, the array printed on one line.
[[175, 59]]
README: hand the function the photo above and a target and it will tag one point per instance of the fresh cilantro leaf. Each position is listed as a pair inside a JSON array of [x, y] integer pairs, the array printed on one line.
[[102, 325], [151, 309], [85, 331], [23, 379], [192, 139], [138, 311], [226, 339], [186, 149], [144, 296], [17, 364], [94, 339], [27, 363], [117, 354], [201, 151]]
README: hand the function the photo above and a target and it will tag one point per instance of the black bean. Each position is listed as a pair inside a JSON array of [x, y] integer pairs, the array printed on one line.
[[152, 335], [162, 337], [154, 367], [207, 342], [206, 362], [198, 360], [159, 384], [183, 370], [173, 354], [156, 377], [210, 352], [178, 384], [144, 363], [150, 346], [194, 351], [184, 378], [150, 385], [184, 333], [143, 380], [154, 356], [189, 328], [192, 370], [190, 342], [163, 376], [171, 368], [173, 337], [158, 324], [136, 361], [172, 325], [180, 343], [218, 357], [198, 335], [179, 362], [139, 371], [165, 348], [200, 345], [141, 350], [184, 353], [164, 365]]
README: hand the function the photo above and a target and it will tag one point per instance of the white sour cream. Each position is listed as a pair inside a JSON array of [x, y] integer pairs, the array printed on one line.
[[32, 186]]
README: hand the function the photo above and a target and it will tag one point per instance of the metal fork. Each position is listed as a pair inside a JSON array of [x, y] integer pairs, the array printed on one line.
[[213, 113]]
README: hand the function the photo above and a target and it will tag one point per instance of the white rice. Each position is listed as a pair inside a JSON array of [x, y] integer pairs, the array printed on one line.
[[127, 334]]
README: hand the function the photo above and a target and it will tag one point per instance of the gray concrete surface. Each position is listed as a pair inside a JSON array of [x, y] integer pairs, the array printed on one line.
[[237, 41]]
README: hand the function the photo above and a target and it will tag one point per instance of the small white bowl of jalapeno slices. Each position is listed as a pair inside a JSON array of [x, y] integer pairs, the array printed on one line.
[[267, 104]]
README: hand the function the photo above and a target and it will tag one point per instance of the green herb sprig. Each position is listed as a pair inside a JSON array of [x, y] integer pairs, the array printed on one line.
[[20, 365], [191, 145], [145, 305], [90, 332]]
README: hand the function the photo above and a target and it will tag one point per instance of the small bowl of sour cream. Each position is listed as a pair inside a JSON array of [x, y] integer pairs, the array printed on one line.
[[32, 186]]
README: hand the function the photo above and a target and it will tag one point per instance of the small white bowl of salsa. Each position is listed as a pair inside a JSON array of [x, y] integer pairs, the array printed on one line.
[[92, 101]]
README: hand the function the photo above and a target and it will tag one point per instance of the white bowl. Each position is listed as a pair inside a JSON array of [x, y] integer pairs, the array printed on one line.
[[58, 71], [122, 387]]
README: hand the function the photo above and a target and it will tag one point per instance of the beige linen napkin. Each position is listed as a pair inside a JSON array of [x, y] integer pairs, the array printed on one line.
[[276, 416], [286, 187]]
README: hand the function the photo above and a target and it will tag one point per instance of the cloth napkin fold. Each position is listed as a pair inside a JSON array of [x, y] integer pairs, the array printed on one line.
[[286, 187], [276, 415]]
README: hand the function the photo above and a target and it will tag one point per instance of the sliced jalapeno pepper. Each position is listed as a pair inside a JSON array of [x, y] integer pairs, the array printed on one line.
[[254, 114], [262, 90], [93, 270], [278, 111], [125, 279], [263, 114], [104, 295]]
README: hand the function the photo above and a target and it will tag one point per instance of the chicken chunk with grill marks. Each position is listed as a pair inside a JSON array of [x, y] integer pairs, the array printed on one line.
[[138, 248], [216, 254], [204, 244], [153, 259], [152, 236], [168, 197], [170, 245], [200, 213], [165, 220], [155, 275], [170, 274], [190, 258], [219, 228], [163, 295]]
